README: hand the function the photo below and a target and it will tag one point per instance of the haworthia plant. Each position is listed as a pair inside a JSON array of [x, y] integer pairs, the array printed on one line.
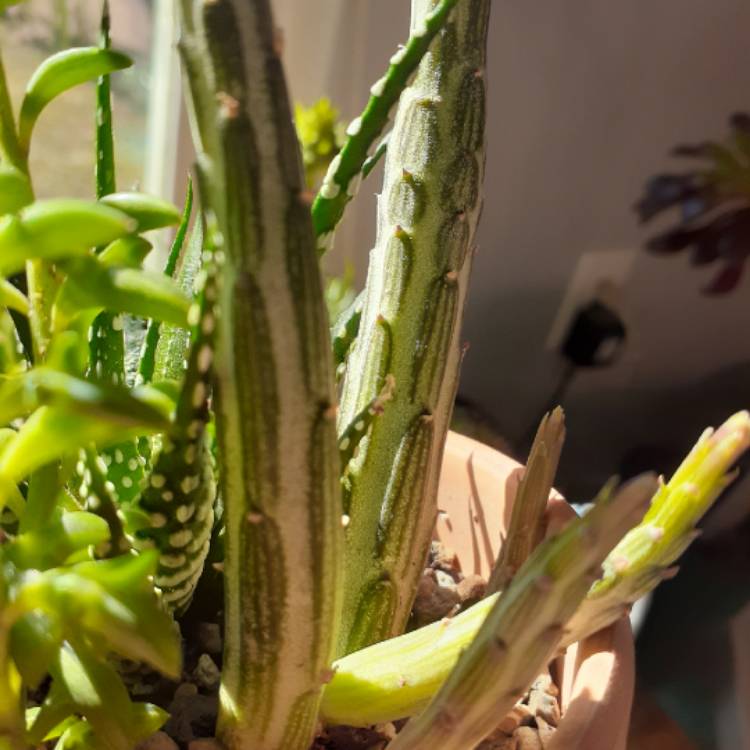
[[410, 324], [275, 400], [123, 466], [181, 492]]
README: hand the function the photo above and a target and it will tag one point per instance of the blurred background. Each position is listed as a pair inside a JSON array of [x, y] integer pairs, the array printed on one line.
[[587, 101]]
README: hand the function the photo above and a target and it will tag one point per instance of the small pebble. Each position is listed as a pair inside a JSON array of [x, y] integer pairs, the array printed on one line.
[[209, 636], [185, 690], [433, 602], [443, 558], [205, 743], [528, 739], [519, 716], [157, 741], [445, 580], [192, 714], [206, 673], [471, 589]]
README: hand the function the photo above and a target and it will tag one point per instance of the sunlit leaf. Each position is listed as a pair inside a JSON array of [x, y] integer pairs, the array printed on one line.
[[58, 74], [15, 190], [129, 252], [148, 211], [34, 641], [57, 229], [90, 284]]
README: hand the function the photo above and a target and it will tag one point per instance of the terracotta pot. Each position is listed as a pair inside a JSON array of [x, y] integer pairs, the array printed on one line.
[[477, 489]]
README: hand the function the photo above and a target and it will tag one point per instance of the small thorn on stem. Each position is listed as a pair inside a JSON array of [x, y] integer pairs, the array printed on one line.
[[655, 533], [327, 675], [620, 564], [229, 106]]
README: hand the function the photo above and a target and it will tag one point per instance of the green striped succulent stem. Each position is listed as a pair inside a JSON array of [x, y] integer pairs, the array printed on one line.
[[396, 678], [346, 171], [274, 383], [528, 520], [523, 629], [410, 324]]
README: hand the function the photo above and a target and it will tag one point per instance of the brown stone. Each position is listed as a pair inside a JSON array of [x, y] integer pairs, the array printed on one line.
[[471, 589], [528, 739], [157, 741], [518, 716], [205, 743]]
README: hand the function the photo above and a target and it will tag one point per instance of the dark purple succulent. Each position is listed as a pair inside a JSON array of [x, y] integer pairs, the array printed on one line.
[[714, 206]]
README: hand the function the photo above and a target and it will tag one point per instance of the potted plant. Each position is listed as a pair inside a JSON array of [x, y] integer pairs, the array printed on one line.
[[235, 464]]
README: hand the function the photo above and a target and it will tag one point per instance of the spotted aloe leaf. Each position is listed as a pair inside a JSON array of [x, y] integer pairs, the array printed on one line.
[[147, 360], [181, 491], [123, 466], [173, 341]]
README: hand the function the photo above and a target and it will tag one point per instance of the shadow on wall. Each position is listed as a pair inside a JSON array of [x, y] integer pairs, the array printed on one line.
[[586, 101]]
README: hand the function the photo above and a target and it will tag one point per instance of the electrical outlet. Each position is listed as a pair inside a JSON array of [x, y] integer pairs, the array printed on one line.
[[597, 275]]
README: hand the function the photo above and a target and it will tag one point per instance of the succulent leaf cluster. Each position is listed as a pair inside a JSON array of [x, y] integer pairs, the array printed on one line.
[[712, 200]]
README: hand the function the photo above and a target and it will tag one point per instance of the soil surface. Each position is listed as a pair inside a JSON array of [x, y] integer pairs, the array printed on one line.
[[443, 592]]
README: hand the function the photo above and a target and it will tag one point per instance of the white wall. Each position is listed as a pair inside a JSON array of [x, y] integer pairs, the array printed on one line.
[[586, 99]]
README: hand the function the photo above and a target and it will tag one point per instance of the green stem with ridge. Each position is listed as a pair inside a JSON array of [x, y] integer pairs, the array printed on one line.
[[346, 171], [274, 389], [410, 324]]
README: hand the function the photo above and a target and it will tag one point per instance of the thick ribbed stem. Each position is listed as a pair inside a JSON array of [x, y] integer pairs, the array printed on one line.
[[524, 627], [274, 383], [410, 324]]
